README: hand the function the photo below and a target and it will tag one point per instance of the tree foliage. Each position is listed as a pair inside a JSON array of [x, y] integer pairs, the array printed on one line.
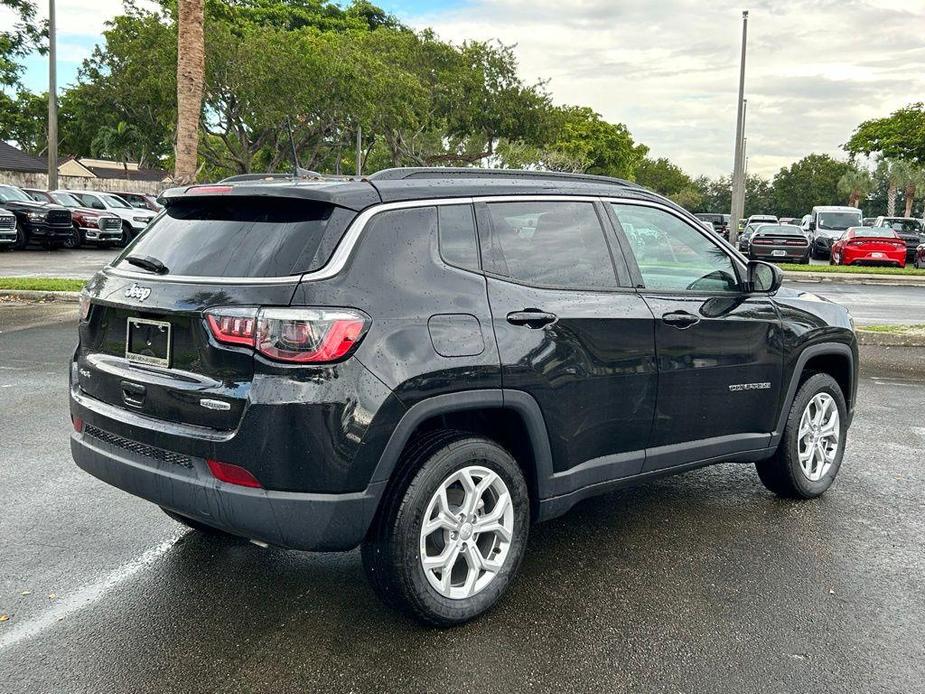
[[900, 135], [813, 180], [18, 39]]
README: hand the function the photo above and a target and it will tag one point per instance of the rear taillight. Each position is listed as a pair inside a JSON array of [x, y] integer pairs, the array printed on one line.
[[83, 306], [233, 326], [293, 335], [232, 474]]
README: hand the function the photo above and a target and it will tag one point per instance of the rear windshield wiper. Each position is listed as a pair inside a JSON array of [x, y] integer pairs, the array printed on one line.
[[146, 262]]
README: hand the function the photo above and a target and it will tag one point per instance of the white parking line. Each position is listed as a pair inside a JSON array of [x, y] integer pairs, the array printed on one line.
[[86, 595]]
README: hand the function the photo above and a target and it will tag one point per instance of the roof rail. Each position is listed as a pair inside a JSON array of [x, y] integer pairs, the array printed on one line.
[[270, 176], [403, 173]]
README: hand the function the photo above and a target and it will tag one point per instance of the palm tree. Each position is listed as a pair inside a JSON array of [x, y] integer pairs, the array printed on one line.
[[191, 55], [121, 143], [888, 170], [909, 178], [855, 185]]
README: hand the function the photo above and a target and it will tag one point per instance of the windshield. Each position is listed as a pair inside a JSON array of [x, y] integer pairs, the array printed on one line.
[[838, 221], [906, 225], [244, 237], [65, 199], [113, 201], [11, 194]]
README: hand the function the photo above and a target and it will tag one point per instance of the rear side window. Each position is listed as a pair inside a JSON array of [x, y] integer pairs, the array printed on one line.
[[458, 243], [239, 237], [549, 244]]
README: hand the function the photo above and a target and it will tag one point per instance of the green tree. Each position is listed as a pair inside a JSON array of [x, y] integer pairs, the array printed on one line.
[[24, 120], [910, 178], [900, 135], [662, 176], [888, 172], [811, 181], [123, 143], [855, 184], [19, 39]]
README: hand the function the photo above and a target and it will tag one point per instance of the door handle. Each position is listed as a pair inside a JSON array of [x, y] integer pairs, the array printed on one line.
[[531, 317], [680, 319]]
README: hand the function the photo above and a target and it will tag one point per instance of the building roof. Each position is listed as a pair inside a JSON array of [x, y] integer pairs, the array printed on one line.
[[105, 168], [394, 185], [12, 159]]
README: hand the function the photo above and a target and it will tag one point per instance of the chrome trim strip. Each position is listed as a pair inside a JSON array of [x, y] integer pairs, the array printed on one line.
[[344, 249]]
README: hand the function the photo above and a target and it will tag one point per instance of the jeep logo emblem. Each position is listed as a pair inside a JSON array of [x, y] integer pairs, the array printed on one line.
[[136, 291]]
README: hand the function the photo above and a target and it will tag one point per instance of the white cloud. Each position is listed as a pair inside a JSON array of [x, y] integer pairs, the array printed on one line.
[[669, 68]]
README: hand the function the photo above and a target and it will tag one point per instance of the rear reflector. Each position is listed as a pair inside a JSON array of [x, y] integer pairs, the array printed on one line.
[[233, 474], [78, 423]]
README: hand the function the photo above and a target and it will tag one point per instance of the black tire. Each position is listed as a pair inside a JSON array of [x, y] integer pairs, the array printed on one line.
[[782, 473], [22, 240], [75, 240], [391, 553], [196, 525], [126, 237]]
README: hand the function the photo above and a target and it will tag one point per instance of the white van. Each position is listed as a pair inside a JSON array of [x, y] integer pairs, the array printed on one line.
[[826, 224]]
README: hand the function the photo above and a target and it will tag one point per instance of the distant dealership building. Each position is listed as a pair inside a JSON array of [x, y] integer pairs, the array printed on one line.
[[20, 169]]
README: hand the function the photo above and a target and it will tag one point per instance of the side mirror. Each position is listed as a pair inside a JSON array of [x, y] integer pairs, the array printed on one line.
[[764, 278], [812, 226]]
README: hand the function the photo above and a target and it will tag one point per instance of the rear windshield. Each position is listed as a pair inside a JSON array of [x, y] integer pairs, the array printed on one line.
[[780, 230], [243, 237], [876, 233]]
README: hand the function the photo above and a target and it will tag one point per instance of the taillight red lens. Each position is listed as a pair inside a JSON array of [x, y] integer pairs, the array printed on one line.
[[83, 306], [309, 336], [233, 326], [78, 423], [233, 474], [294, 335]]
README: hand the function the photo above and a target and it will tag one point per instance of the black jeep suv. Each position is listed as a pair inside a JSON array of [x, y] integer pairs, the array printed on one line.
[[426, 361]]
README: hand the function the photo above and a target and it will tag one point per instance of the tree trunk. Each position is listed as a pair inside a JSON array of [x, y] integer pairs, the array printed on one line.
[[891, 200], [190, 76], [853, 199], [910, 197]]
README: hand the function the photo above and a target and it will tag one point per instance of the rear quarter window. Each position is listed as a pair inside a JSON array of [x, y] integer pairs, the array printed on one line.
[[243, 237]]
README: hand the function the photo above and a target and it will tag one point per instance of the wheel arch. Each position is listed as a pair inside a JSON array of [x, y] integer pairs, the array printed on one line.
[[835, 359], [510, 417]]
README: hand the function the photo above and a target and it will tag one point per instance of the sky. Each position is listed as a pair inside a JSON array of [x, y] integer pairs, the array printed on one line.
[[668, 69]]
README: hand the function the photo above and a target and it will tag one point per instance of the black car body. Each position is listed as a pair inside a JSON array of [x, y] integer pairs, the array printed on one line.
[[719, 222], [36, 222], [779, 242], [268, 356], [909, 229]]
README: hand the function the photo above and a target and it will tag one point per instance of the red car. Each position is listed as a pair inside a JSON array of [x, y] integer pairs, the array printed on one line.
[[869, 245]]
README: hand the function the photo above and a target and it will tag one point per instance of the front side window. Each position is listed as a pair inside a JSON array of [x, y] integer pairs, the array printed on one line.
[[118, 203], [672, 255], [559, 245]]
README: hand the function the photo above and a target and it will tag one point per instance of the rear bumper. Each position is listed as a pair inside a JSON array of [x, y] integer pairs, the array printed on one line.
[[306, 521]]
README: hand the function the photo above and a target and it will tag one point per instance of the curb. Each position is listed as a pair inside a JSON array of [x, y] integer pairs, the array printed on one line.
[[32, 295], [855, 278]]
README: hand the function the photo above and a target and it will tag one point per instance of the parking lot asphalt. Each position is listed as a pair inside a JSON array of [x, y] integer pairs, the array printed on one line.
[[702, 582], [869, 304]]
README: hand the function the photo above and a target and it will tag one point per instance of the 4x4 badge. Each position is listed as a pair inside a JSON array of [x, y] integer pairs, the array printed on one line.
[[136, 291]]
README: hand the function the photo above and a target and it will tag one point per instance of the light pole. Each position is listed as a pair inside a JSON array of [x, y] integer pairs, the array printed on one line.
[[738, 177], [52, 100]]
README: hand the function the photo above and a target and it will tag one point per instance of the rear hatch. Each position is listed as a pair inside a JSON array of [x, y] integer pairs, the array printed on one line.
[[145, 344]]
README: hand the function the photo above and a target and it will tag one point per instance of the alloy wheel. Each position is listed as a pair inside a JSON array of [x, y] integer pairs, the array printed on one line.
[[819, 436], [466, 533]]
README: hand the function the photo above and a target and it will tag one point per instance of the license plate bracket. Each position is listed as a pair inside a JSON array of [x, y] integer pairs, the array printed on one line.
[[148, 341]]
